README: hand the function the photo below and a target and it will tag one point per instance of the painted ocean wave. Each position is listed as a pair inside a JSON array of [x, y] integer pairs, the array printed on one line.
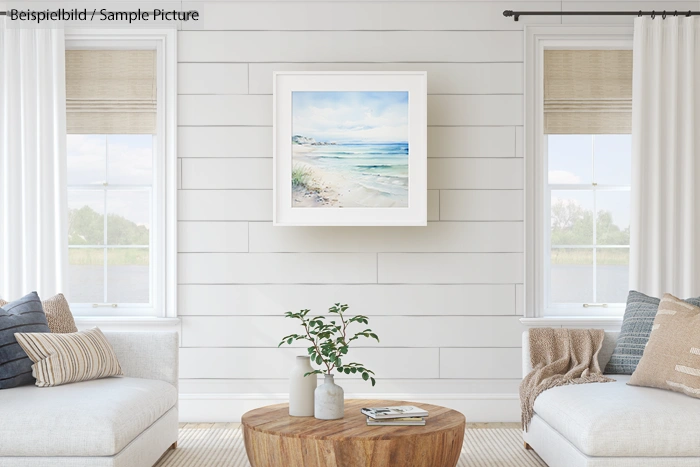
[[377, 167]]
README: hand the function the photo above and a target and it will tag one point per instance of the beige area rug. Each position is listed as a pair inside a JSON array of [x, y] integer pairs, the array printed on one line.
[[221, 445]]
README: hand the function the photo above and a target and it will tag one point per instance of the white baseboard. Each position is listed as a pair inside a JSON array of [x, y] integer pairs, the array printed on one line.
[[229, 407]]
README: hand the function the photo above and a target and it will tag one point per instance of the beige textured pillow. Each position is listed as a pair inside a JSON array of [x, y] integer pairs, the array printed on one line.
[[58, 314], [68, 358], [671, 359]]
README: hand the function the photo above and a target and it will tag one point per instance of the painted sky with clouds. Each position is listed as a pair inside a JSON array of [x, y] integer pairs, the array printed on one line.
[[351, 116]]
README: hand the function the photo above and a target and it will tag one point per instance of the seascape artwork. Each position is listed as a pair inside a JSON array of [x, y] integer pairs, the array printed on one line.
[[350, 149]]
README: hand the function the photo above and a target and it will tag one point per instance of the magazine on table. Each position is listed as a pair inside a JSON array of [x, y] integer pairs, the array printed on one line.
[[412, 421], [401, 411]]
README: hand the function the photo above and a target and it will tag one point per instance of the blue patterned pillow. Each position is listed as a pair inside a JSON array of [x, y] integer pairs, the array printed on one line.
[[634, 335], [23, 315]]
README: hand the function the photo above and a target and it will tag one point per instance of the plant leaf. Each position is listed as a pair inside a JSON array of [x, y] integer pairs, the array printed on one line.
[[365, 376]]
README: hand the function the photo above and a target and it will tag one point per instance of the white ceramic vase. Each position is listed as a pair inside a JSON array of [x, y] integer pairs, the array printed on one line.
[[330, 400], [301, 389]]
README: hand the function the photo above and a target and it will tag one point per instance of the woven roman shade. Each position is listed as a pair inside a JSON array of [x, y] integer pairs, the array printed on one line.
[[587, 91], [111, 91]]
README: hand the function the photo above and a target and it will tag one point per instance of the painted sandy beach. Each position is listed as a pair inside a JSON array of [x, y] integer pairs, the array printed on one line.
[[350, 149]]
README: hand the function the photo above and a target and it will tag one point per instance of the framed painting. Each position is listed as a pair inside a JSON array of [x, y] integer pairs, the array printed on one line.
[[350, 148]]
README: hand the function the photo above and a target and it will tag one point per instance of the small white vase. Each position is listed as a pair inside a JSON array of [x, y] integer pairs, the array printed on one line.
[[330, 400], [301, 389]]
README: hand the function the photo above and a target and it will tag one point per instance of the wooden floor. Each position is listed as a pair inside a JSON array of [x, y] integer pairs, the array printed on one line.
[[231, 425]]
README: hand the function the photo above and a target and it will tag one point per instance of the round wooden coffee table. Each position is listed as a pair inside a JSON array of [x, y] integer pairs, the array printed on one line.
[[274, 439]]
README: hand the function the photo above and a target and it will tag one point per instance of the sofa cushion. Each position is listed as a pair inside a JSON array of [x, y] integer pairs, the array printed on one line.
[[91, 418], [672, 357], [69, 357], [58, 313], [634, 335], [614, 419], [22, 315]]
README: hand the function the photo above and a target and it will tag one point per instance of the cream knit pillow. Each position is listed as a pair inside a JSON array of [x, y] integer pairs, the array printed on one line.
[[671, 359], [68, 358]]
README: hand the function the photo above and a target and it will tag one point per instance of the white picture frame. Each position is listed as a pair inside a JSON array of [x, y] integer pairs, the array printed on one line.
[[307, 207]]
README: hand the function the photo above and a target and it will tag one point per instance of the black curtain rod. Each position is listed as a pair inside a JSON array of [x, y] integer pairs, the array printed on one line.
[[517, 14]]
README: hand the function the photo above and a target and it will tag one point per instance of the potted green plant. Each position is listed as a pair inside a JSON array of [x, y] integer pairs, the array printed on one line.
[[330, 342]]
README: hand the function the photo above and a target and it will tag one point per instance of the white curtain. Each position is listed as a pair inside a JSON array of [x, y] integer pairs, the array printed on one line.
[[33, 208], [665, 221]]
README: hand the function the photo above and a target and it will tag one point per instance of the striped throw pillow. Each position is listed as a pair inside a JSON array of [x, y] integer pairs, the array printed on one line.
[[672, 357], [23, 315], [69, 358]]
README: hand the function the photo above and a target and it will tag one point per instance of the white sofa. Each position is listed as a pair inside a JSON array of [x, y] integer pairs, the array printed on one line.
[[612, 424], [125, 421]]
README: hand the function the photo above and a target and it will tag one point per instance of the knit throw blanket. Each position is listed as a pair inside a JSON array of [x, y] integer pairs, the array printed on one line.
[[560, 357]]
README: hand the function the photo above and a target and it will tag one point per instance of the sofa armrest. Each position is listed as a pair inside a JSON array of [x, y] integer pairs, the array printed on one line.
[[149, 355]]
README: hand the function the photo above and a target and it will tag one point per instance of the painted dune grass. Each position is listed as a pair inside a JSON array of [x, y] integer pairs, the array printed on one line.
[[350, 149]]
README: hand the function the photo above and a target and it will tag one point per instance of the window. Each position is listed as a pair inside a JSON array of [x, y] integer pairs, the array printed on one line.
[[588, 194], [121, 172], [110, 219], [578, 99]]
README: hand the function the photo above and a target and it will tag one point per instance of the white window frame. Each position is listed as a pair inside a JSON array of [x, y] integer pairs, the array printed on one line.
[[164, 228], [537, 219]]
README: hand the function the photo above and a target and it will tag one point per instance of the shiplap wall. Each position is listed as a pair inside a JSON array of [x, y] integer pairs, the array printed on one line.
[[445, 299]]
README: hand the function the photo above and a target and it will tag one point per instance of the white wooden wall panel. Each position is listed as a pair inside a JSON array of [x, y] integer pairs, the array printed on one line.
[[352, 385], [396, 331], [436, 237], [269, 268], [225, 173], [224, 141], [466, 141], [433, 205], [212, 78], [339, 16], [370, 300], [224, 205], [475, 174], [481, 205], [475, 110], [350, 46], [204, 110], [519, 299], [446, 297], [450, 268], [443, 78], [276, 363], [480, 363], [203, 237]]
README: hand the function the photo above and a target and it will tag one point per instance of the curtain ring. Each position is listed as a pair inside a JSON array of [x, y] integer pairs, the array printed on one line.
[[688, 15], [640, 14], [653, 14], [675, 13], [664, 15]]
